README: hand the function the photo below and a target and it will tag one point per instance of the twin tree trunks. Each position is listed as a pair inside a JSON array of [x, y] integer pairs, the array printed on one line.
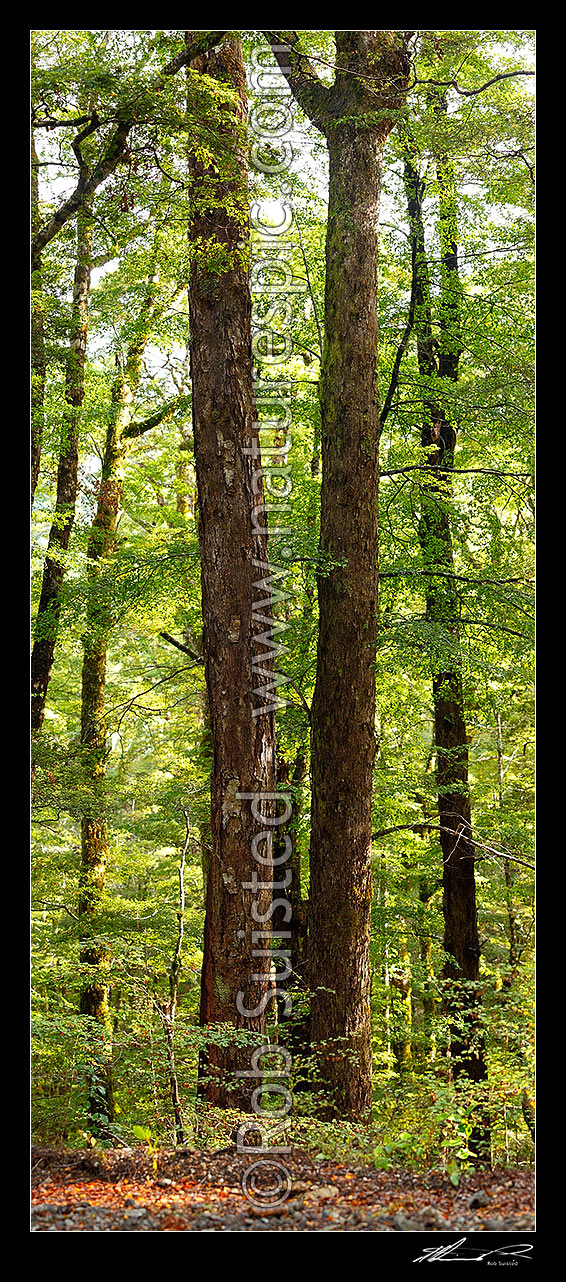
[[356, 118]]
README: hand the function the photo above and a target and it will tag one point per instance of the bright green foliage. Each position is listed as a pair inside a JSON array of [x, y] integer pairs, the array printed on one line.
[[158, 749]]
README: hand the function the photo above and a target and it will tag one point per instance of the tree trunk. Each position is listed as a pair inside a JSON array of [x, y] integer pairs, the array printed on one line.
[[439, 361], [401, 981], [168, 1009], [37, 335], [354, 114], [507, 873], [343, 710], [67, 476], [426, 892], [94, 838], [235, 987], [293, 1014]]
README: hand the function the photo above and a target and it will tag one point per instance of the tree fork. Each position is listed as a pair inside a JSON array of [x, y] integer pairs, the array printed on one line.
[[356, 115]]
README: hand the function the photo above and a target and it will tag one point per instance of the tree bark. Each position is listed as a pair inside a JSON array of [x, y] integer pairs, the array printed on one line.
[[38, 366], [507, 873], [426, 892], [401, 982], [167, 1010], [94, 837], [233, 559], [356, 115], [439, 360], [94, 954], [67, 477], [293, 1015], [343, 709]]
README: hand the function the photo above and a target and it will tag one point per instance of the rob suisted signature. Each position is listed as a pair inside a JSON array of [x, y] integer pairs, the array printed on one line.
[[457, 1251]]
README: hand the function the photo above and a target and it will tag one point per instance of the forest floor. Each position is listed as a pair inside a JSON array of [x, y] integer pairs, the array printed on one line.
[[194, 1191]]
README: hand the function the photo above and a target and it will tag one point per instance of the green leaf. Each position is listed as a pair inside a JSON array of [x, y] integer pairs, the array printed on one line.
[[141, 1132]]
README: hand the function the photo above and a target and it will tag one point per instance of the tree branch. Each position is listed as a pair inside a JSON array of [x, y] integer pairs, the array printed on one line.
[[302, 698], [199, 44], [455, 471], [470, 93], [48, 903], [310, 288], [448, 574], [481, 845], [400, 352], [114, 151], [52, 123], [179, 646], [84, 189], [428, 827], [160, 416], [416, 827], [483, 623], [312, 95]]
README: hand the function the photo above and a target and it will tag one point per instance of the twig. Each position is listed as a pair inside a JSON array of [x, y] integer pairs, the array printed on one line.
[[452, 832], [470, 93], [48, 903]]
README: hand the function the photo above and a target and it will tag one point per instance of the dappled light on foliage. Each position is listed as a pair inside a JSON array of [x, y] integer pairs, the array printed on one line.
[[282, 658]]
